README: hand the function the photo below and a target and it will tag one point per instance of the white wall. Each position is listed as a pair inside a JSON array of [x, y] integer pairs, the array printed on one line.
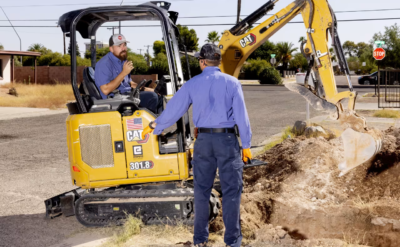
[[6, 61]]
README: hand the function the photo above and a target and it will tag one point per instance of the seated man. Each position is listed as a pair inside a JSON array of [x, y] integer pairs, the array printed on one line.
[[113, 72]]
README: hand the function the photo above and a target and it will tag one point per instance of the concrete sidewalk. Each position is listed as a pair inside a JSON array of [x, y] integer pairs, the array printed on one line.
[[7, 113]]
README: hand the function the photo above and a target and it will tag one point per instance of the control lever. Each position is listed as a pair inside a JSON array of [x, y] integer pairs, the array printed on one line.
[[136, 92]]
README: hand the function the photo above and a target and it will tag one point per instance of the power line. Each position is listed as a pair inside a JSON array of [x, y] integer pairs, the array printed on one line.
[[224, 24], [226, 16], [76, 4]]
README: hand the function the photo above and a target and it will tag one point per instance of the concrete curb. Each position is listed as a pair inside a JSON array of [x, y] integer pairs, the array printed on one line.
[[9, 113]]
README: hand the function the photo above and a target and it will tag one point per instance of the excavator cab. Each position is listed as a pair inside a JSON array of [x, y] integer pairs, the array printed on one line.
[[106, 151]]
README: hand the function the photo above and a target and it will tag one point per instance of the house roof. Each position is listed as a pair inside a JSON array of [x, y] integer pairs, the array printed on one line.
[[21, 53]]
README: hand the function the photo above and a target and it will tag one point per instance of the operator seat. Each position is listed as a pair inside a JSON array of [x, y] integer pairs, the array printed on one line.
[[88, 81]]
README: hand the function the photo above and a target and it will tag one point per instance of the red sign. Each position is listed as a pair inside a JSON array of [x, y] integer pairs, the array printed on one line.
[[379, 53]]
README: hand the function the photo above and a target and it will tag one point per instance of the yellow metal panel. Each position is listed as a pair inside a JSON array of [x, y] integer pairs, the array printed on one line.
[[143, 156], [118, 171], [183, 165]]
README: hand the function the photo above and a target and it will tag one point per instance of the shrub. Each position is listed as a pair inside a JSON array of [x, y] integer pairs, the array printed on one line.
[[194, 67], [261, 70]]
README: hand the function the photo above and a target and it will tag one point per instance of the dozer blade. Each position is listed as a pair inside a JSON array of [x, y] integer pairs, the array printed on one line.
[[359, 148]]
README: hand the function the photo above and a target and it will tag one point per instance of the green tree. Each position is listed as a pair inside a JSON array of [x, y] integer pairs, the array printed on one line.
[[78, 53], [99, 53], [298, 61], [159, 47], [264, 51], [285, 50], [333, 55], [193, 65], [139, 63], [1, 47], [212, 37], [361, 46], [391, 36], [188, 38], [36, 47], [350, 48], [302, 39], [159, 65]]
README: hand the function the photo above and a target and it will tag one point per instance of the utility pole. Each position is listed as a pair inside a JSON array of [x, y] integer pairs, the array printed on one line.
[[64, 44], [148, 54], [140, 50], [120, 21], [112, 28], [238, 10], [20, 42]]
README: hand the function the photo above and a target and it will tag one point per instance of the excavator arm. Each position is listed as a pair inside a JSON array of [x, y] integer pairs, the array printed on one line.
[[360, 142]]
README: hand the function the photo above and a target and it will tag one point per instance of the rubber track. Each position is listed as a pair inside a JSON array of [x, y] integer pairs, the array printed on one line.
[[102, 195]]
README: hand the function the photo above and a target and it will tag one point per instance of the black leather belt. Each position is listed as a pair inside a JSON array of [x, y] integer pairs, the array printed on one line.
[[216, 130]]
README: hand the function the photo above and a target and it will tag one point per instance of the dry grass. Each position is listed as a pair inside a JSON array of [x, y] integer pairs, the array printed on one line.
[[387, 114], [131, 228], [38, 96]]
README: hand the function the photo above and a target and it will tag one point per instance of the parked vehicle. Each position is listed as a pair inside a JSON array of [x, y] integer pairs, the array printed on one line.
[[371, 79]]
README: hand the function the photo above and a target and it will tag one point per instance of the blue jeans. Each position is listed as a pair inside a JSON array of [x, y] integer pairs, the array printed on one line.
[[151, 101], [212, 151]]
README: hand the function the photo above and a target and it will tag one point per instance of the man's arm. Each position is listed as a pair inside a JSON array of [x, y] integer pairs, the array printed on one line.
[[176, 107], [114, 84], [241, 116], [146, 89]]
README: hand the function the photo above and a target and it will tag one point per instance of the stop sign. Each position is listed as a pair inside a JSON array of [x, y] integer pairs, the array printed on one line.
[[379, 53]]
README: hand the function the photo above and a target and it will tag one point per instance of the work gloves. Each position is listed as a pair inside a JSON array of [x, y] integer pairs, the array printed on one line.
[[246, 155]]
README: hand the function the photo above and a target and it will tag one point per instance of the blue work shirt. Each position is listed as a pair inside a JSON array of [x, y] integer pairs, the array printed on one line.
[[217, 100], [107, 69]]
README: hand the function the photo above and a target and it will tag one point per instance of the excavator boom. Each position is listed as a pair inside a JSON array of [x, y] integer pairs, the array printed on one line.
[[360, 142]]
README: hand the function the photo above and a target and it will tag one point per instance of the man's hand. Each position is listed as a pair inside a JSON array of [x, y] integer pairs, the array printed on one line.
[[128, 67], [133, 84], [246, 155]]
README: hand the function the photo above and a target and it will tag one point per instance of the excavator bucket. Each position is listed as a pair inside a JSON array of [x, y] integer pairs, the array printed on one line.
[[359, 148]]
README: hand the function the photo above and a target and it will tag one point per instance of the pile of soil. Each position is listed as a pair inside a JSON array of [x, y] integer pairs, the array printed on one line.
[[300, 191]]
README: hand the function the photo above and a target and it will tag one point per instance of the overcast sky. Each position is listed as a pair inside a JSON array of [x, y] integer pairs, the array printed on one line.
[[139, 37]]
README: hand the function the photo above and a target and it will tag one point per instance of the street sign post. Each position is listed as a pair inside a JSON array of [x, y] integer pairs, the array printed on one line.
[[379, 53], [273, 61]]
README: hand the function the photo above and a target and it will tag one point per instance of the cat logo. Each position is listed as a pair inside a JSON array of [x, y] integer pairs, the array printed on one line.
[[249, 40], [134, 135]]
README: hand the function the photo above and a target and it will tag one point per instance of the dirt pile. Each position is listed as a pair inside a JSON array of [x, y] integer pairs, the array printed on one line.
[[301, 191]]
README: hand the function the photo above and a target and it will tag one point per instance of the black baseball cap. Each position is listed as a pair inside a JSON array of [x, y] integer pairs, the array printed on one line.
[[209, 52]]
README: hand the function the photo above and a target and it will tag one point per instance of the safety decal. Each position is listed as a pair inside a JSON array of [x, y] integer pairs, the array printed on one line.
[[249, 40], [141, 165], [137, 151], [134, 124], [136, 135]]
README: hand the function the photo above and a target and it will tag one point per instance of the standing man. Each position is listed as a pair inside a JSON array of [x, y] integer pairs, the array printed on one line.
[[113, 71], [218, 105]]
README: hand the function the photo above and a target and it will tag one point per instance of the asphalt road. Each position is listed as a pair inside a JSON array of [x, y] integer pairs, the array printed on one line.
[[34, 164]]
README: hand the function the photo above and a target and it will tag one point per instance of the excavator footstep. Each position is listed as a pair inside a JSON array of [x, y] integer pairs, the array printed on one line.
[[359, 148]]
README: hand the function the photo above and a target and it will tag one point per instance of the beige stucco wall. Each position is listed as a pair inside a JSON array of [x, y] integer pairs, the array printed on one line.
[[6, 69]]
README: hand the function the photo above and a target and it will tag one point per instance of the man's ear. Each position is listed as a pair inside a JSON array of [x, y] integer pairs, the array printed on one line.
[[111, 49]]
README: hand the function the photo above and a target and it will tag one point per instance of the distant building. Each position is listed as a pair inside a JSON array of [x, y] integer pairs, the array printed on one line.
[[7, 64], [99, 45]]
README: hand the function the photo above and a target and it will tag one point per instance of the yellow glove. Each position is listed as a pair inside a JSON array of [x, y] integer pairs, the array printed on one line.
[[146, 131], [246, 155]]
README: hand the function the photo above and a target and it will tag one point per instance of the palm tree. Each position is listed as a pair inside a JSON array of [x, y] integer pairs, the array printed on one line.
[[285, 50], [213, 37], [1, 47], [238, 10], [302, 39], [38, 48]]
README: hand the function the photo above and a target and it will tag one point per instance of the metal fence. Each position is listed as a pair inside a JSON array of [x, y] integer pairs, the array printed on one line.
[[389, 89]]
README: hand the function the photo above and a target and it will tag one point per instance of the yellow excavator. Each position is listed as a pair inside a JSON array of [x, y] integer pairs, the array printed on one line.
[[121, 173]]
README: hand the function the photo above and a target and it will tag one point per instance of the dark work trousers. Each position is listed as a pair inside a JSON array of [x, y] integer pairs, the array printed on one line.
[[151, 101], [212, 151]]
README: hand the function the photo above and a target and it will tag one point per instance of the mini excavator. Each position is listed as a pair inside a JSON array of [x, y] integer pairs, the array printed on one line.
[[120, 173]]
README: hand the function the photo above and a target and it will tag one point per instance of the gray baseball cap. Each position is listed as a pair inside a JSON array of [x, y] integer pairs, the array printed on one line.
[[210, 52], [117, 39]]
